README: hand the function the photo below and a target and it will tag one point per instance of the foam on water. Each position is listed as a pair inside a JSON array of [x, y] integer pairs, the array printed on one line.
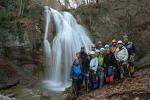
[[55, 86]]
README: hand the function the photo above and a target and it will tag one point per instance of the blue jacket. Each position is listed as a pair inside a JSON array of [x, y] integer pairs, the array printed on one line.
[[76, 72]]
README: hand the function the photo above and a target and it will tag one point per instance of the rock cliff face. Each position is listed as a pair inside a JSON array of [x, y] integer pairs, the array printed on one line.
[[111, 18], [20, 40], [20, 30]]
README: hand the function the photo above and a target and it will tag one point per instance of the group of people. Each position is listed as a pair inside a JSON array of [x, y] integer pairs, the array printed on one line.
[[103, 65]]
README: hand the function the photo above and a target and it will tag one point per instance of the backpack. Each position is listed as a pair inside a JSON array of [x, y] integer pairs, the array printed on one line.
[[76, 72]]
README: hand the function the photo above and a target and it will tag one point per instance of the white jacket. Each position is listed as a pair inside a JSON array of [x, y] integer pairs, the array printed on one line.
[[121, 54], [94, 64]]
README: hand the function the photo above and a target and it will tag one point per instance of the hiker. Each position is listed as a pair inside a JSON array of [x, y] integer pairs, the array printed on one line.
[[93, 47], [113, 45], [121, 55], [80, 63], [131, 51], [109, 64], [79, 58], [83, 56], [86, 73], [100, 69], [93, 70], [99, 45], [113, 49], [76, 76]]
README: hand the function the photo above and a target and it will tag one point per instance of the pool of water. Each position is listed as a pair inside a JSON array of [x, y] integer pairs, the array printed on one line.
[[55, 86], [45, 90]]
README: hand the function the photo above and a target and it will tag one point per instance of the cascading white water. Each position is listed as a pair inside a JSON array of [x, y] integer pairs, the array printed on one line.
[[70, 36], [47, 48]]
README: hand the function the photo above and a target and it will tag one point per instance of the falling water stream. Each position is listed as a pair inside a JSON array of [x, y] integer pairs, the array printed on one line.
[[70, 36]]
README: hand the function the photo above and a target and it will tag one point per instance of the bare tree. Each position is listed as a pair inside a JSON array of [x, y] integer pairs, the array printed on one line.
[[97, 1], [20, 6]]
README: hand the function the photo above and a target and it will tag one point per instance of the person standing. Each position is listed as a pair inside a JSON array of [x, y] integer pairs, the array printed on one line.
[[100, 69], [79, 58], [83, 56], [86, 75], [109, 64], [93, 69], [113, 49], [99, 45], [132, 52], [93, 47], [76, 76], [113, 45], [121, 55]]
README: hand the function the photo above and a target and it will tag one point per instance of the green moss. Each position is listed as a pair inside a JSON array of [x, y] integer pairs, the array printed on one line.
[[7, 52], [4, 15], [38, 72], [9, 4]]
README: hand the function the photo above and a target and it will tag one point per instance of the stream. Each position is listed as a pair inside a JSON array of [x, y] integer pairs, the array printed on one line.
[[30, 92]]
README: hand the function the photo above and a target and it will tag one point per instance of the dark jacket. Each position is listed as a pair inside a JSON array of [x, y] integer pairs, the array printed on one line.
[[83, 56], [87, 66], [130, 47], [109, 60]]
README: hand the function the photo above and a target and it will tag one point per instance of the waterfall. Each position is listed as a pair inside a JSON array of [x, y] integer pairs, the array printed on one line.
[[70, 36], [47, 46]]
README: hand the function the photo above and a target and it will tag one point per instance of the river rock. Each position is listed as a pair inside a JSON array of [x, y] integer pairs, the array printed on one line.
[[6, 98], [46, 94], [137, 98]]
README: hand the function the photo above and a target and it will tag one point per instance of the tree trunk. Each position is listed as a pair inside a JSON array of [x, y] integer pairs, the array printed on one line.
[[97, 1], [21, 7]]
